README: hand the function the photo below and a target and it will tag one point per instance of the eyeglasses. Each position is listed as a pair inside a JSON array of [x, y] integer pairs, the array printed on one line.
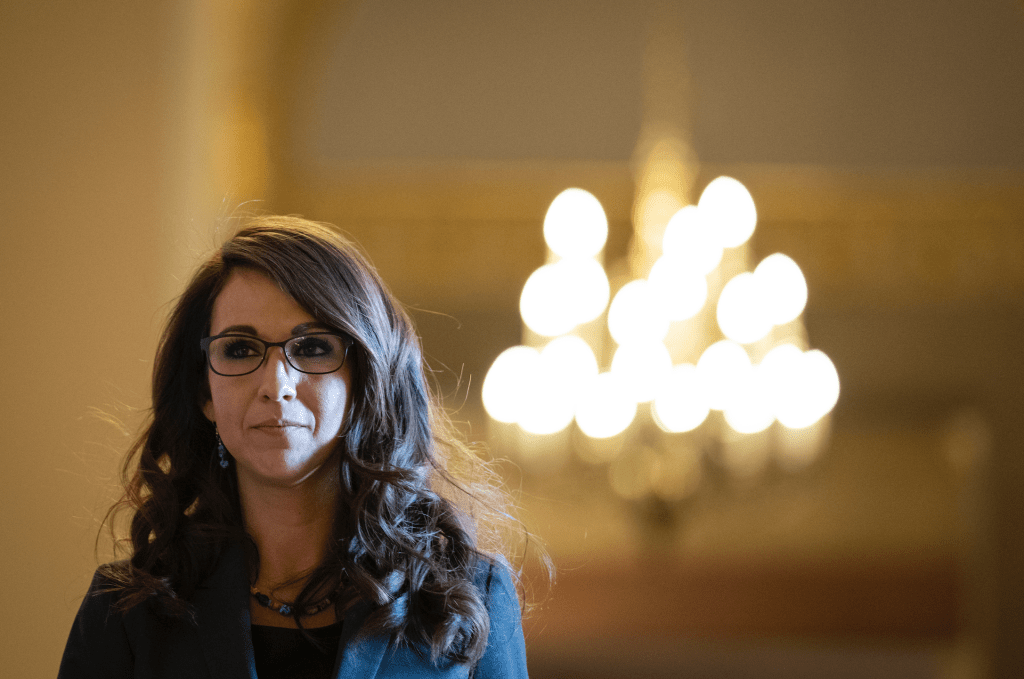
[[235, 355]]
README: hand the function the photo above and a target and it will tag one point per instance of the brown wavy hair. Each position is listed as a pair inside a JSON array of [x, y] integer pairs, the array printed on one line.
[[418, 509]]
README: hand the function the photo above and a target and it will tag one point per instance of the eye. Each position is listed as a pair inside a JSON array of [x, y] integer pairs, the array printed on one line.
[[314, 346], [240, 348]]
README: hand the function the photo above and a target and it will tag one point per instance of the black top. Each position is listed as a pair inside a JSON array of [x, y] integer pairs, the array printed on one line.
[[285, 653]]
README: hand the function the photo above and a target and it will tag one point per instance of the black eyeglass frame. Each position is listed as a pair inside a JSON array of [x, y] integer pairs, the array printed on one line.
[[346, 341]]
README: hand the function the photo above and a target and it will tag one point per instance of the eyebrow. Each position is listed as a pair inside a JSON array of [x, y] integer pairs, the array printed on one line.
[[250, 330]]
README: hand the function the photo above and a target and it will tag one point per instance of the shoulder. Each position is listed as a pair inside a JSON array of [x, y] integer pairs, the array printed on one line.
[[98, 642], [107, 640], [495, 581], [105, 591], [505, 655]]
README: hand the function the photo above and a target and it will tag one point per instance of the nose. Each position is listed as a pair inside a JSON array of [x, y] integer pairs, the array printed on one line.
[[277, 381]]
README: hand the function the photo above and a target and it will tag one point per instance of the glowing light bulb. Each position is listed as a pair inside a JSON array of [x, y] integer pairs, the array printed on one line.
[[689, 240], [680, 404], [722, 370], [750, 408], [813, 389], [642, 367], [575, 224], [550, 407], [558, 297], [637, 315], [681, 290], [825, 379], [569, 361], [539, 390], [605, 409], [541, 302], [741, 310], [784, 289], [509, 383], [729, 209], [587, 289], [777, 369]]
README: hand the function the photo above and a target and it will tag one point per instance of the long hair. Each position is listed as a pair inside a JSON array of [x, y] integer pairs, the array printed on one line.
[[417, 509]]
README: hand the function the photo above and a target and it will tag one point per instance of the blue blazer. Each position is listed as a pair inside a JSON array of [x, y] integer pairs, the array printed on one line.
[[107, 643]]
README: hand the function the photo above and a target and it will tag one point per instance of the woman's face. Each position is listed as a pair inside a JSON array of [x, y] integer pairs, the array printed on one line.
[[279, 424]]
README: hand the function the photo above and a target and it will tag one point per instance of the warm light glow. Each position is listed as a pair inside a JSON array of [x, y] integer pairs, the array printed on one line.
[[642, 367], [742, 315], [798, 448], [689, 240], [783, 286], [776, 372], [539, 390], [569, 361], [543, 391], [541, 303], [575, 224], [557, 297], [636, 314], [549, 408], [750, 409], [721, 370], [810, 391], [680, 404], [565, 365], [588, 288], [825, 380], [729, 209], [605, 408], [681, 290], [657, 208], [509, 383]]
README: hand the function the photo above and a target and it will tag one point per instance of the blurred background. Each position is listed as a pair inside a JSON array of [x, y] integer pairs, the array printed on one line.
[[881, 143]]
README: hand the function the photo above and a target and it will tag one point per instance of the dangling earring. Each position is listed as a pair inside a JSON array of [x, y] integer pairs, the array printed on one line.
[[222, 452]]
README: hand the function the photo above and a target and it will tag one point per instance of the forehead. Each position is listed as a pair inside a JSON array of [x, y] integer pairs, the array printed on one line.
[[253, 300]]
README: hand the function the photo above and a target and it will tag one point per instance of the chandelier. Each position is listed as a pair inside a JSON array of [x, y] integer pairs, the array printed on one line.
[[659, 369]]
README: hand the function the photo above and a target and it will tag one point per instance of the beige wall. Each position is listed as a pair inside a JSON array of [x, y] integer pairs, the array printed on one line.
[[83, 141]]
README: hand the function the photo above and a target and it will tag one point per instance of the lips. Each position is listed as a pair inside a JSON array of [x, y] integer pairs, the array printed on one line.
[[273, 424]]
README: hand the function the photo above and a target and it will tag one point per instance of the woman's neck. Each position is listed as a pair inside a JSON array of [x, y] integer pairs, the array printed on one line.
[[291, 528]]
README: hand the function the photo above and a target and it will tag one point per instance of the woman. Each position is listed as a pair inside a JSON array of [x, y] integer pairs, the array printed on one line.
[[293, 507]]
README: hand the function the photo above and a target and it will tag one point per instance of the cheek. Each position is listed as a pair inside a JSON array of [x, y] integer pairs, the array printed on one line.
[[223, 405], [337, 399], [332, 404]]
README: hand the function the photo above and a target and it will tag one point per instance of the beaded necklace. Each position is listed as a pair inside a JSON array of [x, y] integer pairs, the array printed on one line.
[[287, 609]]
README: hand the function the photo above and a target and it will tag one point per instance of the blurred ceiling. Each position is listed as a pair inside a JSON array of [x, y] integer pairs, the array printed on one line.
[[874, 84]]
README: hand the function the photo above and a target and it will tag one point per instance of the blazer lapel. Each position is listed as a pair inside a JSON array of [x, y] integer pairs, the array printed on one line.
[[222, 613], [359, 655]]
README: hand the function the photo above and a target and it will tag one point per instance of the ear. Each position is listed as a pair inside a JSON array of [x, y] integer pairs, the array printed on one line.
[[208, 411]]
